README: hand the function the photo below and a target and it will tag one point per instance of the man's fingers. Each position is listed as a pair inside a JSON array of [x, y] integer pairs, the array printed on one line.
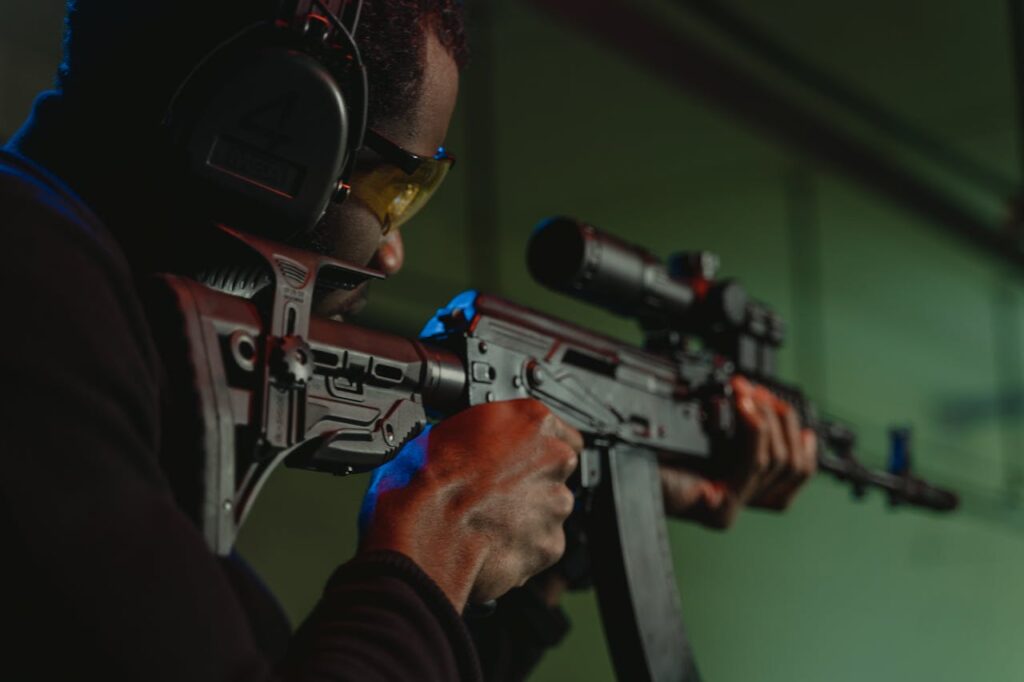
[[561, 430], [783, 456], [756, 444], [798, 467], [802, 464], [568, 461], [791, 432], [680, 489], [810, 442], [779, 455], [756, 426], [574, 439], [803, 443], [687, 495], [566, 446]]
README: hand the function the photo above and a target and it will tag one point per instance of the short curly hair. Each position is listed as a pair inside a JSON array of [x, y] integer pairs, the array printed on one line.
[[143, 50], [392, 43]]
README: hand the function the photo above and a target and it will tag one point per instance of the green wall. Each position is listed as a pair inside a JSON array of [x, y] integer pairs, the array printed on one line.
[[891, 322]]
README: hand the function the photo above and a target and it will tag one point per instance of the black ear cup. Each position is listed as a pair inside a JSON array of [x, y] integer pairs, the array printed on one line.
[[265, 130], [264, 136]]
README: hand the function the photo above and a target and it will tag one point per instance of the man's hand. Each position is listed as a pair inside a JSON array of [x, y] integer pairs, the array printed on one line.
[[775, 457], [478, 501]]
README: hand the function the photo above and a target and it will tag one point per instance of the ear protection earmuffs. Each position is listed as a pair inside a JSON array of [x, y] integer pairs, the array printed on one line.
[[268, 125]]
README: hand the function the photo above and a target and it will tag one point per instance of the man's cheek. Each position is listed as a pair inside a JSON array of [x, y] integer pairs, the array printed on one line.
[[341, 305], [349, 232]]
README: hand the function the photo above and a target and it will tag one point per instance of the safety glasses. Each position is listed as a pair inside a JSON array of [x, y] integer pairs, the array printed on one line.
[[399, 183]]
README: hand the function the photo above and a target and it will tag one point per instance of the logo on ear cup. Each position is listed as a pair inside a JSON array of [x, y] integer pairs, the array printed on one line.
[[265, 129], [271, 120], [255, 167]]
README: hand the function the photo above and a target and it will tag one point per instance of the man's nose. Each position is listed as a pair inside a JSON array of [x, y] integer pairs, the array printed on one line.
[[391, 254]]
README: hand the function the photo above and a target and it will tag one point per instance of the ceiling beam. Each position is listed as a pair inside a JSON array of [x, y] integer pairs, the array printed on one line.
[[697, 69]]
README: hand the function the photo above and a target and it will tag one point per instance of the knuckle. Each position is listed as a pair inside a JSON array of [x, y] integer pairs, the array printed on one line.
[[553, 549], [565, 501], [765, 400], [574, 439], [561, 459], [570, 460], [535, 409], [740, 384]]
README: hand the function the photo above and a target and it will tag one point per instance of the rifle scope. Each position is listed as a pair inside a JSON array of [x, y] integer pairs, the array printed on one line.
[[579, 260]]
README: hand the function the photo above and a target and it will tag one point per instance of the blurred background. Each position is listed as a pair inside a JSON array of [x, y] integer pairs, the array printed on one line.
[[855, 165]]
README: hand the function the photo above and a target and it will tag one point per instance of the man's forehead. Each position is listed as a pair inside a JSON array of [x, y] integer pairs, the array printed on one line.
[[426, 126]]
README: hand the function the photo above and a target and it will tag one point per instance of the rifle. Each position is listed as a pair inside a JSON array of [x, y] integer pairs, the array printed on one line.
[[271, 383]]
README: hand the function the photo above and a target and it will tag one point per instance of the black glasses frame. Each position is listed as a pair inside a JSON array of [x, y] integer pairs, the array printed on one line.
[[392, 153]]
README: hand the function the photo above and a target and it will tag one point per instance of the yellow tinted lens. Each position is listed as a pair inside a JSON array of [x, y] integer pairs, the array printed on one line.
[[394, 196]]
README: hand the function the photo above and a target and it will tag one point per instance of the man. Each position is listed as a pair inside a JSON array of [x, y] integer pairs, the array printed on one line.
[[105, 575]]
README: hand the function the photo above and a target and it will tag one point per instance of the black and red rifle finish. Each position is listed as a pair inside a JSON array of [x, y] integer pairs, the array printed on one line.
[[269, 382]]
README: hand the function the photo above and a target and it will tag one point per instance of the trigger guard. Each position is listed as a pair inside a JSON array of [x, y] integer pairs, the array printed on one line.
[[352, 449]]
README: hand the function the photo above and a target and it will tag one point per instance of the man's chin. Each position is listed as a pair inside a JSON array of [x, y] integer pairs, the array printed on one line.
[[341, 306]]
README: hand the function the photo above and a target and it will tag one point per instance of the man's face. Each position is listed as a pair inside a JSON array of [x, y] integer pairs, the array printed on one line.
[[353, 230]]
